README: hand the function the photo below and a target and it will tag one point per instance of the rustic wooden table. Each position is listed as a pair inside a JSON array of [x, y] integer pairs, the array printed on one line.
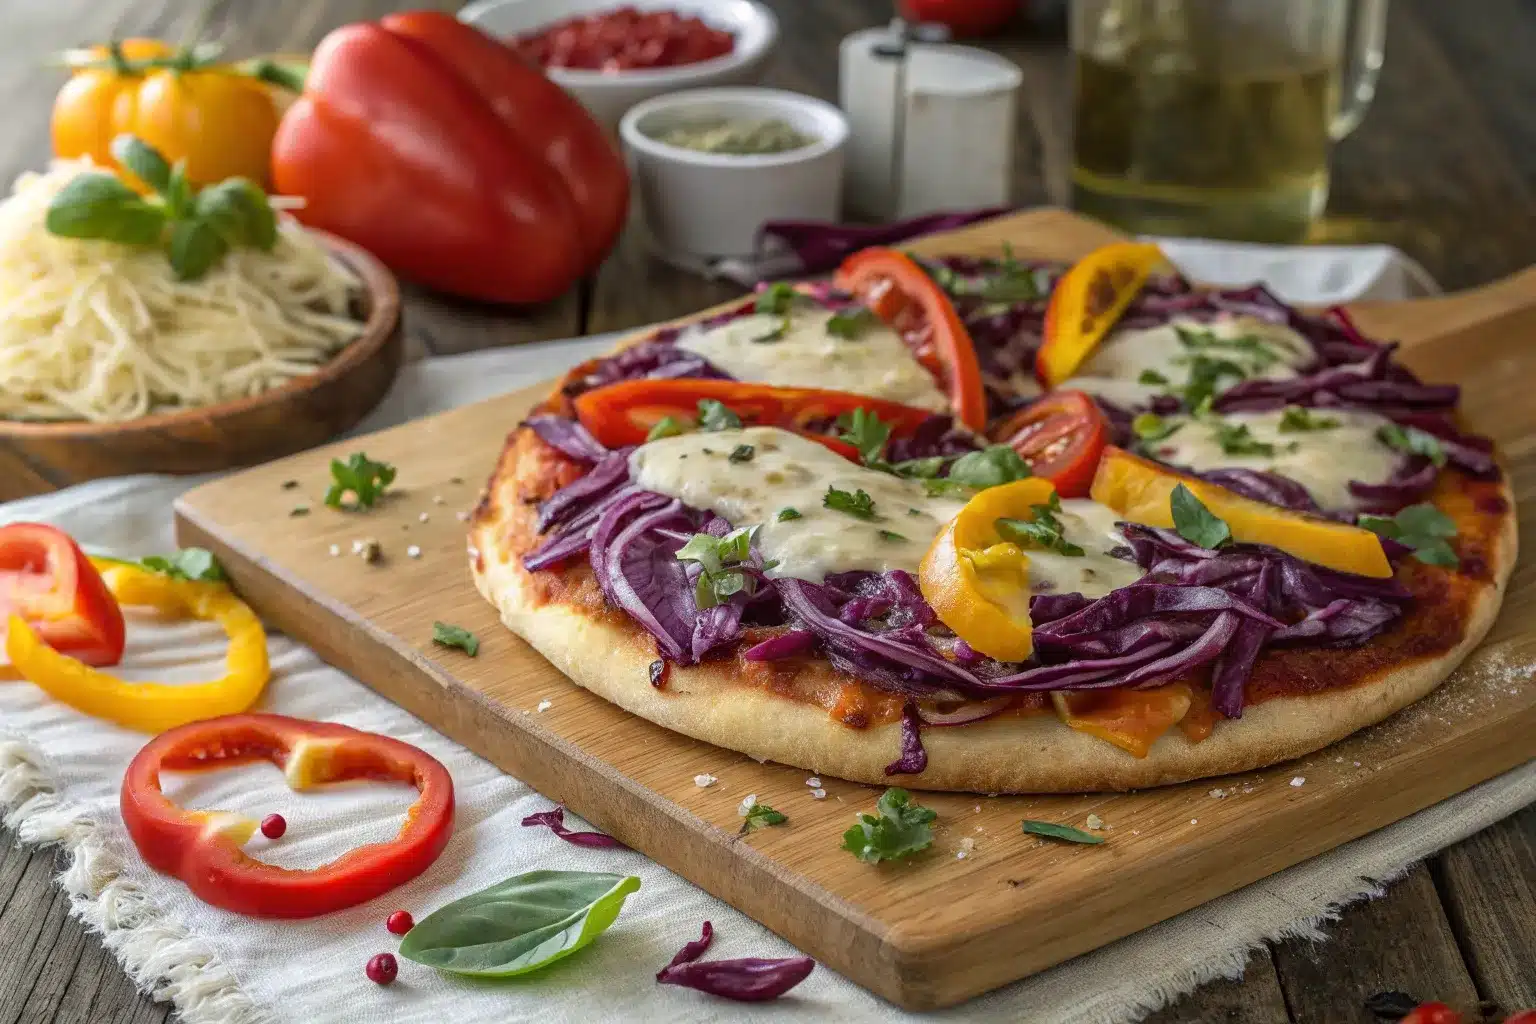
[[1444, 167]]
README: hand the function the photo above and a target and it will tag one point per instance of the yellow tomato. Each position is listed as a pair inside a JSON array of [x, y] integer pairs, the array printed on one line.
[[220, 122]]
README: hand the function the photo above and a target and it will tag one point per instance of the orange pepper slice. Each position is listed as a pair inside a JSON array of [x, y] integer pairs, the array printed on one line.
[[1086, 303], [1132, 720]]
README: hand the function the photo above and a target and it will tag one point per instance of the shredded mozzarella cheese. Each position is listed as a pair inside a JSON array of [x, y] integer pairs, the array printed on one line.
[[103, 332]]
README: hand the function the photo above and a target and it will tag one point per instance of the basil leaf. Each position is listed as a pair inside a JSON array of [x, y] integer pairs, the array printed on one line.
[[760, 816], [858, 504], [100, 206], [519, 925], [850, 323], [455, 636], [194, 248], [925, 468], [142, 160], [178, 193], [1413, 441], [239, 211], [187, 564], [1423, 528], [990, 467], [1064, 832], [1194, 522], [714, 415], [776, 298]]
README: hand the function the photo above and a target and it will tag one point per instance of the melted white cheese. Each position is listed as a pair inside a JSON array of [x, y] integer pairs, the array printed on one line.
[[876, 362], [788, 471], [1114, 369], [1322, 461]]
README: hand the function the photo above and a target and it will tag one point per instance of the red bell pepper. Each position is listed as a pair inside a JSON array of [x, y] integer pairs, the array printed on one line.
[[438, 149], [903, 295], [48, 582], [203, 849]]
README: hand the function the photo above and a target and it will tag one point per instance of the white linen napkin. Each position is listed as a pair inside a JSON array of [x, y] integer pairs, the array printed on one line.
[[59, 773]]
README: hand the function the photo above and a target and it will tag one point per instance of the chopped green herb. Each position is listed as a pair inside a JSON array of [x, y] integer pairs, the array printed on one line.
[[1421, 527], [1206, 376], [1149, 427], [1413, 441], [851, 322], [1044, 531], [299, 510], [742, 453], [1247, 348], [759, 816], [1296, 420], [914, 511], [1196, 523], [667, 426], [1050, 830], [714, 415], [901, 829], [777, 298], [360, 477], [775, 333], [716, 556], [866, 432], [924, 469], [1151, 378], [1237, 439], [786, 514], [187, 564], [858, 504], [891, 535], [455, 636]]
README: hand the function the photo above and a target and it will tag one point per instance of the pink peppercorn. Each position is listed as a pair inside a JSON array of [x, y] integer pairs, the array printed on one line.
[[382, 969], [273, 826], [400, 922]]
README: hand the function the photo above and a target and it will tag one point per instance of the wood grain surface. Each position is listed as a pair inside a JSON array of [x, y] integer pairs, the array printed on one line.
[[1444, 166], [923, 935]]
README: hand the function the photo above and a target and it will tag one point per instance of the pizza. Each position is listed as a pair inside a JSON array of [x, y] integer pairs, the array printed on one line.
[[1001, 526]]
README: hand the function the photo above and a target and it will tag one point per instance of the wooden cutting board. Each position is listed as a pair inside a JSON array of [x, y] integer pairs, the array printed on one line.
[[941, 928]]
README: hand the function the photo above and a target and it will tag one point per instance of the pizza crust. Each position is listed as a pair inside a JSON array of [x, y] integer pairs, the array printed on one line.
[[1035, 754]]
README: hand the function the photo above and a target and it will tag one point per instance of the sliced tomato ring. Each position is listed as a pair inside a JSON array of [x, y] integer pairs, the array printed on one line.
[[624, 413], [1061, 436], [903, 295], [48, 582]]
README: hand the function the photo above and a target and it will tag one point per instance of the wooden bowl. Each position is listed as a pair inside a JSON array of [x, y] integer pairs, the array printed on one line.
[[305, 412]]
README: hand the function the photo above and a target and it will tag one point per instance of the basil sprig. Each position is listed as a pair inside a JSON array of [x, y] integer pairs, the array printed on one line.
[[519, 925], [195, 227], [1196, 523], [718, 557], [1422, 527]]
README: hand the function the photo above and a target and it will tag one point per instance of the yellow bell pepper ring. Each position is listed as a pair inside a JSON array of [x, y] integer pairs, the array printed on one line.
[[153, 707], [1142, 492], [976, 582]]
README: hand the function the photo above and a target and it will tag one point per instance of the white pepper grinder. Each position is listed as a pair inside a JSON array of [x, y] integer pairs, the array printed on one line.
[[931, 125]]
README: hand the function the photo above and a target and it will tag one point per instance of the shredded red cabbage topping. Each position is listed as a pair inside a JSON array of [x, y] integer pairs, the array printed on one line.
[[747, 980], [554, 820]]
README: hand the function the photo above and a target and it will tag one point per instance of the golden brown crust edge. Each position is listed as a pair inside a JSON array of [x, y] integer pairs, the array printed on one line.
[[1035, 754]]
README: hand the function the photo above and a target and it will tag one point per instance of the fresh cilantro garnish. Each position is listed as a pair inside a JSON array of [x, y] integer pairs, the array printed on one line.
[[1237, 439], [851, 322], [991, 467], [761, 815], [455, 636], [1196, 523], [1206, 376], [1296, 420], [786, 514], [923, 469], [1149, 427], [1151, 378], [1421, 527], [776, 299], [1247, 348], [858, 504], [900, 830], [718, 579], [1064, 832], [891, 535], [1413, 441], [1004, 280], [866, 432], [714, 415], [667, 426], [742, 453], [187, 564], [1044, 531], [360, 477]]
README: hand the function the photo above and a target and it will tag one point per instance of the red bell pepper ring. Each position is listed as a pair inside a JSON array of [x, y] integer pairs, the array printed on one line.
[[902, 294], [49, 582], [442, 153], [203, 848]]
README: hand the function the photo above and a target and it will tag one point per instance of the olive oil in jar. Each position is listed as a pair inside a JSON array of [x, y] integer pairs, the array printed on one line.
[[1164, 146]]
